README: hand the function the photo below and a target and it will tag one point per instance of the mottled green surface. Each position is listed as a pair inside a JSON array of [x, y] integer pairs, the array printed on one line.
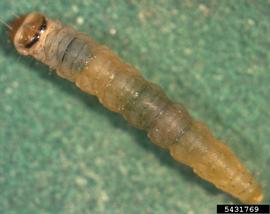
[[62, 152]]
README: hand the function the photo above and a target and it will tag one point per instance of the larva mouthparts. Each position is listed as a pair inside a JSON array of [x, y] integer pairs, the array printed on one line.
[[96, 70]]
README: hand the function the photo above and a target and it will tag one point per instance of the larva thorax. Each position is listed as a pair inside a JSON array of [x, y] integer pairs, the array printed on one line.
[[52, 43], [96, 70]]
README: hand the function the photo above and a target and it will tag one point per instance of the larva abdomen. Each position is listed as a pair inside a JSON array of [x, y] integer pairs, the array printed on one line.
[[98, 71]]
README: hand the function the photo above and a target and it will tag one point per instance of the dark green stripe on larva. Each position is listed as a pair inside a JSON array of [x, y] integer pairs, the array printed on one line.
[[75, 56], [66, 51], [170, 126], [55, 44], [143, 109], [62, 46], [130, 91]]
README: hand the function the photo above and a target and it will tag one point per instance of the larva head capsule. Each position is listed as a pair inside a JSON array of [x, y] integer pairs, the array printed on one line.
[[52, 43], [27, 30]]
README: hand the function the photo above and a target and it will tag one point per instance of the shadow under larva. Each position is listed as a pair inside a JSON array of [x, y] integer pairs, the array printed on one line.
[[96, 70]]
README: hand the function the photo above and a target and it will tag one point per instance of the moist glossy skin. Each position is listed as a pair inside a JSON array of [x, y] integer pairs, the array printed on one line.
[[96, 70]]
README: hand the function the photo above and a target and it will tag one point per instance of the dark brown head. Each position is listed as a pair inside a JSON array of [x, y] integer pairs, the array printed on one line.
[[27, 30]]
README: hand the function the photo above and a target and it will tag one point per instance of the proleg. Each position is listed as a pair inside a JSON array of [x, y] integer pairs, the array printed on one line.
[[96, 70]]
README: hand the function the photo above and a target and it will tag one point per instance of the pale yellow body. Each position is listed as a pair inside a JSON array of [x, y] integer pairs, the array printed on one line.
[[122, 89]]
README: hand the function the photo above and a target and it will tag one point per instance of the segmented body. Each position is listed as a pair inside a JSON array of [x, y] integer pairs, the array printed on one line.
[[96, 70]]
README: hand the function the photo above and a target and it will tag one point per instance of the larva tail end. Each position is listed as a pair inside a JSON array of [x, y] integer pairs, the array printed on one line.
[[216, 163], [257, 197]]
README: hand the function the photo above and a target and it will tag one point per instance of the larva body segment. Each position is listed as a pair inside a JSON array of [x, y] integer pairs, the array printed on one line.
[[96, 70]]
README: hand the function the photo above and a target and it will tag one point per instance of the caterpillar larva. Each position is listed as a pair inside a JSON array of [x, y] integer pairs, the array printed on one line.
[[96, 70]]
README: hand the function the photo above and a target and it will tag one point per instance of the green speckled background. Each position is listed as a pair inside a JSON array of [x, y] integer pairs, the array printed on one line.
[[62, 152]]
